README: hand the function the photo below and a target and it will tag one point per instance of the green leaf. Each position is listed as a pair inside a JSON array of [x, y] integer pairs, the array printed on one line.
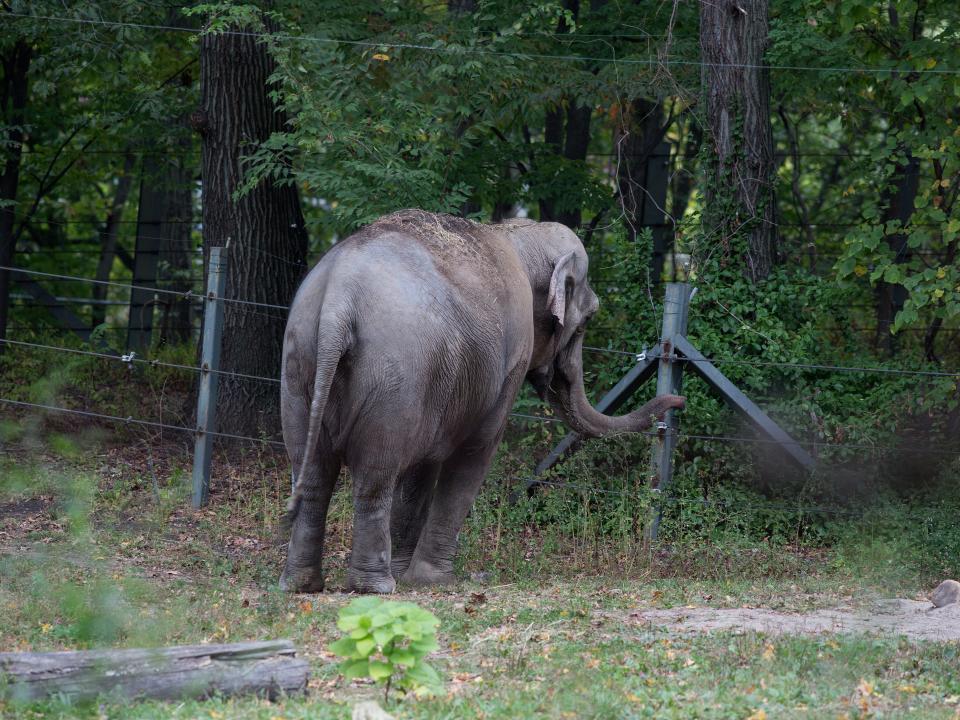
[[383, 635], [403, 657], [424, 646], [353, 669], [344, 647], [380, 670], [365, 647], [423, 674]]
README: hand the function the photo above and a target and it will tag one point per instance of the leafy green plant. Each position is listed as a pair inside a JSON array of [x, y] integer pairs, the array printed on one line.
[[386, 641]]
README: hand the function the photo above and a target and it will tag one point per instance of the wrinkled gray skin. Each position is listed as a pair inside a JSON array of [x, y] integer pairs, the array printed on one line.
[[404, 350]]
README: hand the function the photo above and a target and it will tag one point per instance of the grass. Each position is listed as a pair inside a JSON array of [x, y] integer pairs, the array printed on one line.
[[98, 547]]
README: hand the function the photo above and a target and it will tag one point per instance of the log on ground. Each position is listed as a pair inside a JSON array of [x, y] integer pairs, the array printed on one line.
[[268, 668]]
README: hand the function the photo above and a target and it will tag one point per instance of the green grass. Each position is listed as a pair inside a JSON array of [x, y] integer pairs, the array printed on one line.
[[99, 550]]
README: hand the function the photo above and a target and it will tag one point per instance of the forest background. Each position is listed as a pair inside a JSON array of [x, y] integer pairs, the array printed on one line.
[[798, 163]]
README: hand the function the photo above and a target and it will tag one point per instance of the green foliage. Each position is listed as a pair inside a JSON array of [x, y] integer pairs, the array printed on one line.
[[387, 642], [902, 232]]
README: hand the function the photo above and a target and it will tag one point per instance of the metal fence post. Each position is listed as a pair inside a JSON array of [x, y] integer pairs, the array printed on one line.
[[676, 305], [209, 364]]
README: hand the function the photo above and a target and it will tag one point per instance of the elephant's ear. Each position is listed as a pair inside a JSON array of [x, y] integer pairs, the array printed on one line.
[[557, 297]]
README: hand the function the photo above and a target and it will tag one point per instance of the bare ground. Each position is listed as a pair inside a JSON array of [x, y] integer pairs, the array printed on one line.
[[915, 619]]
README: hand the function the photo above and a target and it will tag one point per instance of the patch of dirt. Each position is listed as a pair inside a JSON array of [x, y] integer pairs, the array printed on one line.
[[24, 508], [915, 619]]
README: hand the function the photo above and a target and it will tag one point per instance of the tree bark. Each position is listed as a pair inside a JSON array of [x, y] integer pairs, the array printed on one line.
[[684, 169], [108, 238], [641, 182], [269, 668], [176, 252], [13, 96], [736, 86], [890, 297], [264, 227], [566, 130]]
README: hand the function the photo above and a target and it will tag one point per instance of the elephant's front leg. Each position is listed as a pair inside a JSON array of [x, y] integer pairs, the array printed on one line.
[[369, 569], [411, 502], [460, 480]]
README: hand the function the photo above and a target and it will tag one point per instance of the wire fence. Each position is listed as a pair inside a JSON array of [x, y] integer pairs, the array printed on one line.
[[441, 46], [132, 359], [248, 305], [191, 294]]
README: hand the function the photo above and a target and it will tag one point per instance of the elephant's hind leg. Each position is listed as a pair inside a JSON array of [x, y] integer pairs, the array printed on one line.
[[459, 482], [411, 502], [369, 569], [460, 479], [303, 571]]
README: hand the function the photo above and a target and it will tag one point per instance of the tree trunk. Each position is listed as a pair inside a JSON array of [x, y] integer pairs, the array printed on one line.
[[264, 227], [108, 238], [684, 169], [890, 297], [176, 253], [567, 133], [641, 175], [736, 86], [13, 94]]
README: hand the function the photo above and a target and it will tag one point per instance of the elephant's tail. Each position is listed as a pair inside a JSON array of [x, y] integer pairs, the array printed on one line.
[[333, 341]]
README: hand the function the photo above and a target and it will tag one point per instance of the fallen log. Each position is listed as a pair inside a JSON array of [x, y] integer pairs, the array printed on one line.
[[268, 668]]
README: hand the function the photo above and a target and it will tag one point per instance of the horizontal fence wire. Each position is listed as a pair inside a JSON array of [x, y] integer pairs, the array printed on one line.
[[461, 50], [800, 366], [680, 435], [636, 355], [135, 421], [665, 499], [662, 500]]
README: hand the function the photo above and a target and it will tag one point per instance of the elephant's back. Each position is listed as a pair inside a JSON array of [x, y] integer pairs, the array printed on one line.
[[440, 312]]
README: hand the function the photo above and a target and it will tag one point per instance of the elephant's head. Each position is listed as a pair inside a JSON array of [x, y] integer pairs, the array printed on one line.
[[563, 304]]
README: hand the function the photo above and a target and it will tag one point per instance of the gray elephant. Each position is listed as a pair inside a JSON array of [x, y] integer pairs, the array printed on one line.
[[404, 350]]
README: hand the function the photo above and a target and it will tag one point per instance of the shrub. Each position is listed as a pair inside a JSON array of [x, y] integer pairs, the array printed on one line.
[[387, 641]]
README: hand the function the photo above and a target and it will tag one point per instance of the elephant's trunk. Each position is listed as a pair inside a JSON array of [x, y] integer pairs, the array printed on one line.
[[567, 396]]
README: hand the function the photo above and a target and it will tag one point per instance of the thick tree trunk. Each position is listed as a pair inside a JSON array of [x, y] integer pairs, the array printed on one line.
[[736, 86], [13, 96], [264, 227], [568, 133]]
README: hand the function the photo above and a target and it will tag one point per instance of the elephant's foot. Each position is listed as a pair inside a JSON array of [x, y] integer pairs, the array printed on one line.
[[400, 563], [301, 579], [366, 583], [422, 572]]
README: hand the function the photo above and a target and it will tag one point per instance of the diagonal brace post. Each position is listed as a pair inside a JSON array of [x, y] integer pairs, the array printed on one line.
[[617, 395], [743, 405]]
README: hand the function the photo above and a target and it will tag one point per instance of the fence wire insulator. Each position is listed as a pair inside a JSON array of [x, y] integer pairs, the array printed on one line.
[[129, 359]]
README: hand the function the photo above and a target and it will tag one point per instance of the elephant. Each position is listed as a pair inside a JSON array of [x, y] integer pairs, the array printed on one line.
[[404, 350]]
